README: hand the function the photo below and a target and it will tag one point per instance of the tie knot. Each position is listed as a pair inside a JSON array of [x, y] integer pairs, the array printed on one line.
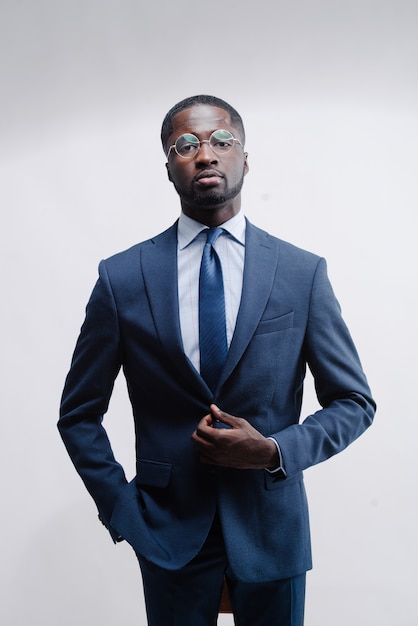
[[212, 234]]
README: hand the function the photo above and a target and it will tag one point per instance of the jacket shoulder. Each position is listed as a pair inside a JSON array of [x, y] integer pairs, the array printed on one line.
[[287, 251], [135, 250], [130, 258]]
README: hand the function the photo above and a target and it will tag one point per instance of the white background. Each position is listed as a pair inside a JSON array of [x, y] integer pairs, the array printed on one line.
[[329, 94]]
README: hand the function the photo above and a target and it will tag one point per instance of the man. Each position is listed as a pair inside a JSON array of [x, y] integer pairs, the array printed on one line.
[[214, 328]]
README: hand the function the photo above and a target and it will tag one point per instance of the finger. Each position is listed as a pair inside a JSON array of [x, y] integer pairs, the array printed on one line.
[[204, 429], [215, 411], [205, 423], [221, 416], [206, 419]]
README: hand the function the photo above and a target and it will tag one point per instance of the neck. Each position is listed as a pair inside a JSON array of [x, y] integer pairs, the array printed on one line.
[[212, 216]]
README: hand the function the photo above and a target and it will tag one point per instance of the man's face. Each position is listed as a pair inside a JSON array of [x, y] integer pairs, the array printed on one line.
[[207, 183]]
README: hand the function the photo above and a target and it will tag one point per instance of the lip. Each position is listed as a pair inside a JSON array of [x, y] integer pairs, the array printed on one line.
[[208, 178], [208, 174]]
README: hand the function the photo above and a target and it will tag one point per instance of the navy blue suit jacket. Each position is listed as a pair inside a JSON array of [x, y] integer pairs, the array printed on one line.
[[288, 318]]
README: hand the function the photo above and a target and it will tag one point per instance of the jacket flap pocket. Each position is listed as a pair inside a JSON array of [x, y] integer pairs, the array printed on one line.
[[153, 473], [278, 323]]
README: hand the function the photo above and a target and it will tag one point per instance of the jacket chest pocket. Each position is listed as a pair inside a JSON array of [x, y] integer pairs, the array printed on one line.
[[283, 322]]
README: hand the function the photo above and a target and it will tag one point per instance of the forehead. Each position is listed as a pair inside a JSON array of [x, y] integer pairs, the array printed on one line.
[[201, 120]]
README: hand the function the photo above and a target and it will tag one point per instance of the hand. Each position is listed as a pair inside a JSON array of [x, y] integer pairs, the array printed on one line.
[[240, 446]]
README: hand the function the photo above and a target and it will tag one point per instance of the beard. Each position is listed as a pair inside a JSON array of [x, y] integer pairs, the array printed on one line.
[[211, 198]]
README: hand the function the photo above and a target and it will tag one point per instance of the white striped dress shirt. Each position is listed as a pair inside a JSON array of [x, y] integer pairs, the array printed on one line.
[[230, 247]]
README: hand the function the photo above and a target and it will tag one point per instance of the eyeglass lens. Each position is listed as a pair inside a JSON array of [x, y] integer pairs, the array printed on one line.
[[188, 145]]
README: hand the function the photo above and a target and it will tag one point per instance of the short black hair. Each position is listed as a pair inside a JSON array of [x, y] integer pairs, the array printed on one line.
[[187, 103]]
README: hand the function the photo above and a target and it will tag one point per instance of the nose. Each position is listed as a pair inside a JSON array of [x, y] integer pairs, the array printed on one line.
[[206, 154]]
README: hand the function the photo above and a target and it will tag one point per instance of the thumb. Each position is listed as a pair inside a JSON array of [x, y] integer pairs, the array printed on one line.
[[221, 416]]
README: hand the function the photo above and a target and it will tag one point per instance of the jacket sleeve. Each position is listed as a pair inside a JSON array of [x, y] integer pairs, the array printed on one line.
[[341, 386], [96, 362]]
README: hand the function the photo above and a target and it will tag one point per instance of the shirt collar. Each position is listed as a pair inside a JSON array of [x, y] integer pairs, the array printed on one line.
[[188, 229]]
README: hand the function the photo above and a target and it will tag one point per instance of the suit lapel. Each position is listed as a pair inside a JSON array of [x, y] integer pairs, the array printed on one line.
[[159, 266], [261, 259]]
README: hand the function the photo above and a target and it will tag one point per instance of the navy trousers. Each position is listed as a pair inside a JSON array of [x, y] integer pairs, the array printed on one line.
[[191, 596]]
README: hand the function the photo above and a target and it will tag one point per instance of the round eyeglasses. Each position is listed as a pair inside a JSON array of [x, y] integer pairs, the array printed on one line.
[[188, 145]]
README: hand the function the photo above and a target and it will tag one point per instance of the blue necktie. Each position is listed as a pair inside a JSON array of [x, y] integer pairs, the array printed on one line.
[[212, 324]]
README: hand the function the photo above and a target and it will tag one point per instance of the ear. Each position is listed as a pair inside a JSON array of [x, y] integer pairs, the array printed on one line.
[[246, 166], [168, 172]]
